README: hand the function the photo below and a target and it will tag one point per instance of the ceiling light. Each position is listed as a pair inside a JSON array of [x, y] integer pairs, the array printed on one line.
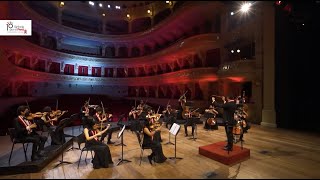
[[103, 14], [238, 51], [100, 4], [245, 7], [109, 6], [232, 13], [232, 51], [128, 15], [61, 3], [149, 11], [91, 3], [167, 2]]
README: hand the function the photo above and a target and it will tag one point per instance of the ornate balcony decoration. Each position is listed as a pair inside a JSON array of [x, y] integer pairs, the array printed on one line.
[[184, 76], [180, 49]]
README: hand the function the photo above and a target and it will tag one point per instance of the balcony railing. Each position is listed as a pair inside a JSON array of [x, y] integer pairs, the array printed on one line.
[[239, 67]]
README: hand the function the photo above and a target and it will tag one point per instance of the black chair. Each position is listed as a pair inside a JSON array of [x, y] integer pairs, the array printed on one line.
[[15, 140], [85, 149], [140, 140]]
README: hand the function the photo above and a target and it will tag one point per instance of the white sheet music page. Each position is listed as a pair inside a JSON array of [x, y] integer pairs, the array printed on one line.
[[174, 129]]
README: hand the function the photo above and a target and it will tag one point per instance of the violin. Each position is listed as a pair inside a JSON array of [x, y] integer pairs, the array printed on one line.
[[31, 116], [58, 112]]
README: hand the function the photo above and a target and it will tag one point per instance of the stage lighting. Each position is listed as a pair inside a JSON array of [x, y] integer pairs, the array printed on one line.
[[245, 7]]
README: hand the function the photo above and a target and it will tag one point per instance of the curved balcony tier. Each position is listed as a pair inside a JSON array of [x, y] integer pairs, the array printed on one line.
[[240, 70], [183, 19], [193, 45], [16, 73]]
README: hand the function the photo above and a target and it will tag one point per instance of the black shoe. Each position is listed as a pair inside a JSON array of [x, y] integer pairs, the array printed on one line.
[[110, 142], [150, 159], [227, 149]]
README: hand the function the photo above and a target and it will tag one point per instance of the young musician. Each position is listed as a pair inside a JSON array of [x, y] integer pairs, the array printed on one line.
[[102, 156], [211, 115], [152, 139], [100, 118], [134, 121], [57, 134], [169, 116], [182, 104], [84, 113], [26, 131], [189, 122]]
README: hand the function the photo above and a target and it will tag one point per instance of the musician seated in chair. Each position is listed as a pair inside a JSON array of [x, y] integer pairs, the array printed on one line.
[[102, 156], [170, 116], [211, 122], [151, 138], [25, 131], [242, 118], [100, 118], [189, 122]]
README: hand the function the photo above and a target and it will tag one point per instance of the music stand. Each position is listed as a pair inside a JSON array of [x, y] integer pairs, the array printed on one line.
[[169, 137], [73, 117], [120, 123], [62, 124], [175, 128], [121, 135]]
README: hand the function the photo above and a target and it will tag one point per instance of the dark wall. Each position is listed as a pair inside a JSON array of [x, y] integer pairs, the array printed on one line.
[[296, 70]]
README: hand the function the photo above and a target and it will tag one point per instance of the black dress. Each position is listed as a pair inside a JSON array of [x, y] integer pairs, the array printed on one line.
[[155, 144], [102, 156]]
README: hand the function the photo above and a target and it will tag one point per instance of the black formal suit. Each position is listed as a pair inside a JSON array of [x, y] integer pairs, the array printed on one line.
[[229, 109], [22, 133]]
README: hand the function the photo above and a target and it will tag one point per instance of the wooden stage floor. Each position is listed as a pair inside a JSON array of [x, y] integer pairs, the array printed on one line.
[[275, 153]]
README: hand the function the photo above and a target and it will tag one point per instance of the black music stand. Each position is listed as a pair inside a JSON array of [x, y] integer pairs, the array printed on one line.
[[73, 117], [120, 123], [169, 138], [175, 128], [121, 135], [62, 124]]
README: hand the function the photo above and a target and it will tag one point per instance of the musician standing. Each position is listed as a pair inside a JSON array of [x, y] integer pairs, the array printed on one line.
[[134, 121], [25, 130], [100, 118], [229, 107], [182, 104], [84, 113]]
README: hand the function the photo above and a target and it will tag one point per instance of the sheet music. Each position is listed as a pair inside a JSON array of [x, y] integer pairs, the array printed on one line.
[[174, 129], [120, 133]]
